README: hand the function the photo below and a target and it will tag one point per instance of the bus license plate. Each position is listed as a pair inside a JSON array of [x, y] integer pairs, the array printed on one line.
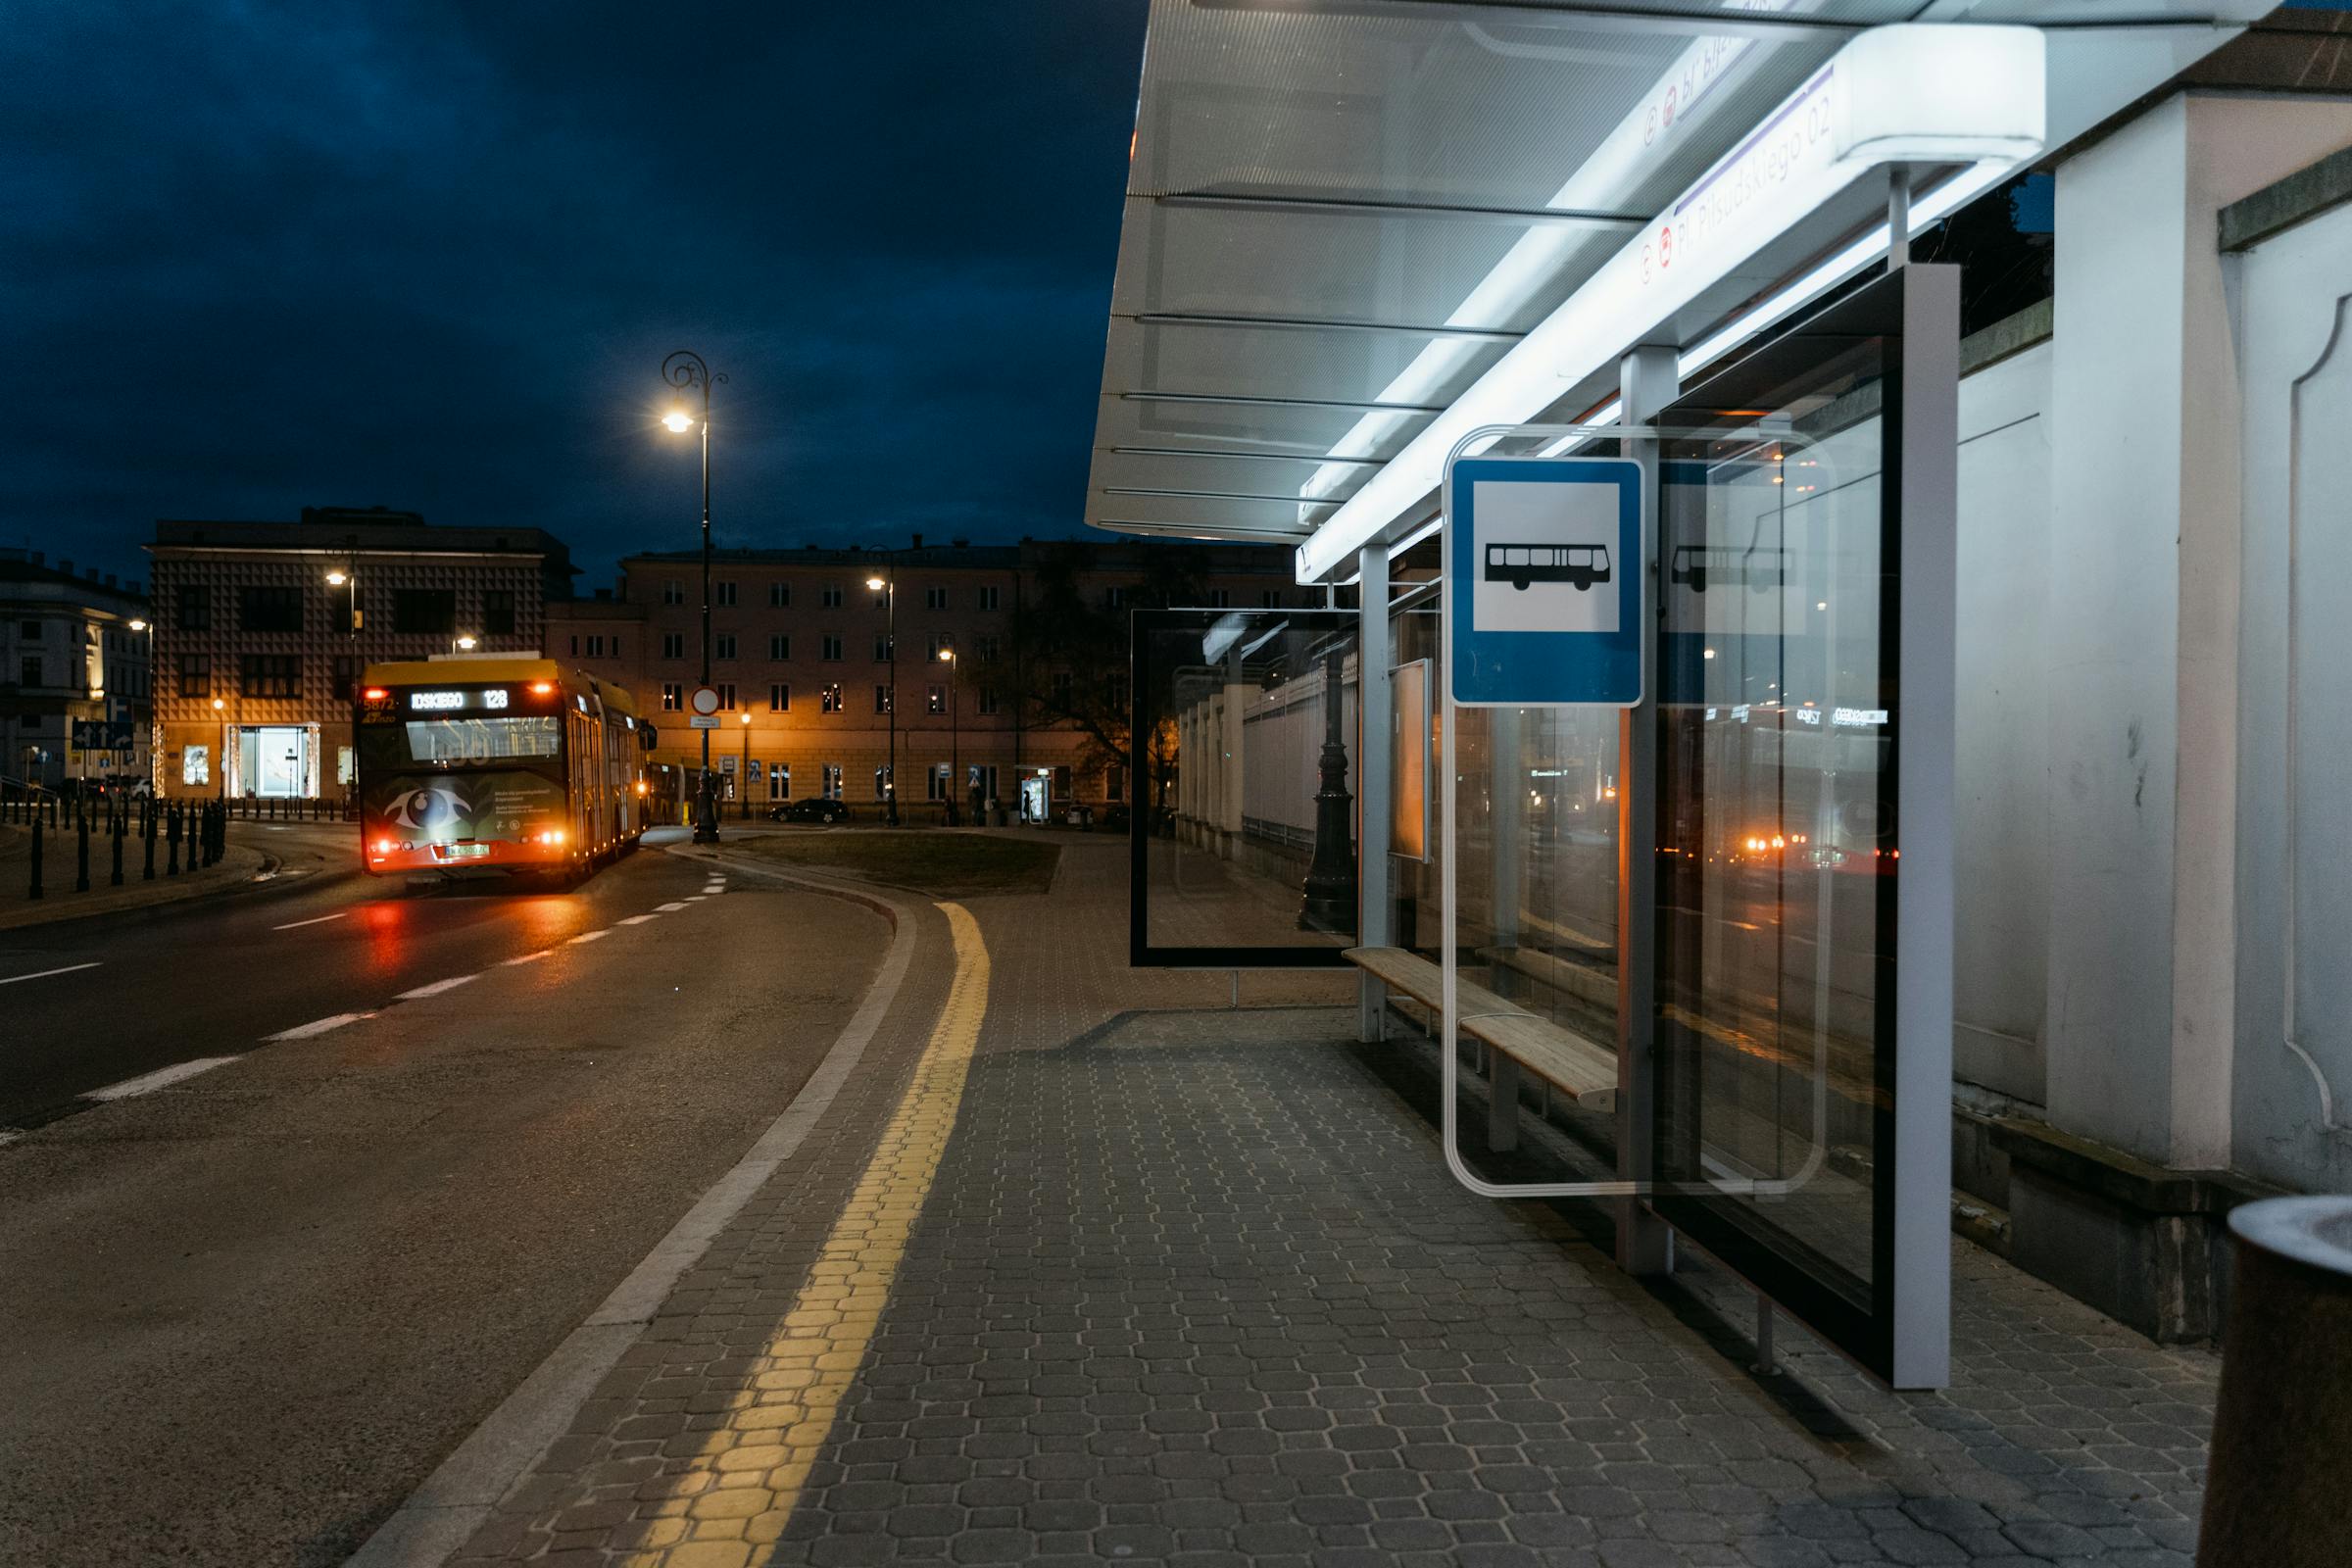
[[460, 852]]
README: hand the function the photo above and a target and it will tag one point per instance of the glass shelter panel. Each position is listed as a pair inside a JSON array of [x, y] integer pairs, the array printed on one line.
[[1245, 828]]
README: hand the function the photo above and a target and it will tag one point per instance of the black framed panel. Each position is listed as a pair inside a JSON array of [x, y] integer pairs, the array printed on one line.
[[1798, 966], [1243, 847]]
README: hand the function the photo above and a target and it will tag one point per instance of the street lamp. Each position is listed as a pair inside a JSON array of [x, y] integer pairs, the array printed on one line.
[[221, 764], [947, 657], [464, 645], [685, 370], [146, 628], [889, 590], [742, 779]]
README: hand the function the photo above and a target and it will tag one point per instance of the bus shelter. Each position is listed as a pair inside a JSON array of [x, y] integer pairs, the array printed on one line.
[[1706, 933]]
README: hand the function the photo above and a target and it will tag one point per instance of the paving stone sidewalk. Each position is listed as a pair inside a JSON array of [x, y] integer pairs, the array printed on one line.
[[1189, 1285]]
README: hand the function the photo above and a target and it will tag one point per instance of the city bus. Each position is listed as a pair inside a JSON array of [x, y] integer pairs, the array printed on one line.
[[497, 763]]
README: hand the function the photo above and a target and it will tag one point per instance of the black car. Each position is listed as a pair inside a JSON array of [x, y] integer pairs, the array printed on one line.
[[810, 809]]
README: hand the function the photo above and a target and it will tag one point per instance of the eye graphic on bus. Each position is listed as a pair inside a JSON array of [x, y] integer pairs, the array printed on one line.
[[1694, 567], [1578, 565], [427, 807]]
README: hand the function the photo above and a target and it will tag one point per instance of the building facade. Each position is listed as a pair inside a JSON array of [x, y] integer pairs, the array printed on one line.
[[802, 661], [261, 629], [75, 689]]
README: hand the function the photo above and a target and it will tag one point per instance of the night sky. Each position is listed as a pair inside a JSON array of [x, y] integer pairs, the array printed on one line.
[[430, 256]]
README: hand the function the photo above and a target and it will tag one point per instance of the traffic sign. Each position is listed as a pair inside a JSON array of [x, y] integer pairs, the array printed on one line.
[[702, 721], [704, 702], [1546, 562]]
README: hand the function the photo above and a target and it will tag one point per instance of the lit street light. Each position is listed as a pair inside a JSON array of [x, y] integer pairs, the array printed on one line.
[[743, 780], [686, 370], [889, 590], [947, 657], [464, 645]]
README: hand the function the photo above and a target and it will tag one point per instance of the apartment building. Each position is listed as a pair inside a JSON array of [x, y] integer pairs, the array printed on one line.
[[261, 629], [815, 652], [74, 698]]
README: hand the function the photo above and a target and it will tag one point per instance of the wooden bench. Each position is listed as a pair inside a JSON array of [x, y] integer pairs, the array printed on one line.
[[1515, 1038]]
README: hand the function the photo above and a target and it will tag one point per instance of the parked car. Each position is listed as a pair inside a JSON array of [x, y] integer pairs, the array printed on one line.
[[810, 809]]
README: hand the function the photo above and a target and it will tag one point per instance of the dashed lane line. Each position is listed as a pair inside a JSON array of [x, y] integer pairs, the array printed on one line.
[[436, 988], [638, 919], [590, 935], [671, 908], [161, 1078], [43, 974], [316, 1027], [529, 958], [290, 925]]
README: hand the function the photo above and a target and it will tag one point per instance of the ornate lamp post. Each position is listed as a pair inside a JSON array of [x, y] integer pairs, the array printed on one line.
[[888, 588], [685, 370], [947, 657], [1331, 879]]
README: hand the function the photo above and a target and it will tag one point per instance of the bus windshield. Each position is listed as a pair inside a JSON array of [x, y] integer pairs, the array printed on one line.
[[480, 740]]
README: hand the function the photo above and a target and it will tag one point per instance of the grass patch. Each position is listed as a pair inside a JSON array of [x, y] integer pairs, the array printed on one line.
[[944, 866]]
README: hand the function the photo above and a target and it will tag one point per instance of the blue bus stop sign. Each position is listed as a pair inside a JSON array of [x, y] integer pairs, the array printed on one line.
[[1544, 562]]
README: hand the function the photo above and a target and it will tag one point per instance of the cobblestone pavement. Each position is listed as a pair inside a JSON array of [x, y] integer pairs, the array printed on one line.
[[1187, 1285]]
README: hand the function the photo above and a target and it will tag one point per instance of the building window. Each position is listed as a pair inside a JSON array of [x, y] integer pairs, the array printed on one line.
[[881, 600], [934, 699], [934, 599], [195, 674], [986, 648], [1061, 689], [988, 699], [673, 592], [596, 648], [346, 678], [726, 696], [831, 649], [674, 645], [780, 697], [30, 669], [779, 648], [1271, 598], [830, 596], [779, 597], [29, 630], [988, 598], [726, 592], [881, 648], [575, 648], [779, 782], [1219, 599], [936, 782], [269, 675], [269, 609], [832, 781], [674, 696], [882, 783], [195, 609], [425, 611], [498, 611], [830, 698], [881, 698], [1114, 782], [940, 643], [726, 644]]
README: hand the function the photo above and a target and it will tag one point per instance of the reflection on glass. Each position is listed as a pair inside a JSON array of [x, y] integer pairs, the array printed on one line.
[[483, 740]]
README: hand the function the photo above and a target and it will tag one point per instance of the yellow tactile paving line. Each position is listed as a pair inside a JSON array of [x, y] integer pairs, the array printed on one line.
[[759, 1462]]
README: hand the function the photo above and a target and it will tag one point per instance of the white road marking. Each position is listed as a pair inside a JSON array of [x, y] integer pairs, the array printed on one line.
[[640, 919], [317, 1026], [164, 1078], [592, 936], [668, 909], [696, 897], [339, 914], [435, 989], [43, 974], [530, 957]]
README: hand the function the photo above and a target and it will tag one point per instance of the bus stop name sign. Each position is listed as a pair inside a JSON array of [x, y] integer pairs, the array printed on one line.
[[1544, 605]]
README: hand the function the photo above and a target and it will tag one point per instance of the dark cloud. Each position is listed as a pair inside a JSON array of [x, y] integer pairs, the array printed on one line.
[[432, 253]]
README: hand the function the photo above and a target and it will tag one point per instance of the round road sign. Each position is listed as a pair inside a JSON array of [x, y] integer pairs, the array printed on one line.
[[706, 701]]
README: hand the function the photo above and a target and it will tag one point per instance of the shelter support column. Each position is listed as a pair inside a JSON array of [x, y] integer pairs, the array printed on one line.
[[1647, 382], [1376, 725]]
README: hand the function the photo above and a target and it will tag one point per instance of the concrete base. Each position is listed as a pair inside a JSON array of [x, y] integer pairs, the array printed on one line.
[[2145, 1244]]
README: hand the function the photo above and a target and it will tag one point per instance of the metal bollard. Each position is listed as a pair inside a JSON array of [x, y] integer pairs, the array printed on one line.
[[121, 826], [81, 852], [171, 821], [36, 891], [147, 832]]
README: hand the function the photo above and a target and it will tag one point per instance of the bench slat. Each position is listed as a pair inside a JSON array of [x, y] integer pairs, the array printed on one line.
[[1586, 1070]]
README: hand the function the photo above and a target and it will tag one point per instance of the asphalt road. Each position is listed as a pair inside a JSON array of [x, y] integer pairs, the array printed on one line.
[[244, 1313]]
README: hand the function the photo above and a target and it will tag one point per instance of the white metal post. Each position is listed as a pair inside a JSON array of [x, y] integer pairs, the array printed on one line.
[[1647, 382], [1375, 709]]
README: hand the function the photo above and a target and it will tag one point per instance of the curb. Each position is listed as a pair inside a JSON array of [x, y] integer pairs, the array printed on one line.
[[460, 1493]]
